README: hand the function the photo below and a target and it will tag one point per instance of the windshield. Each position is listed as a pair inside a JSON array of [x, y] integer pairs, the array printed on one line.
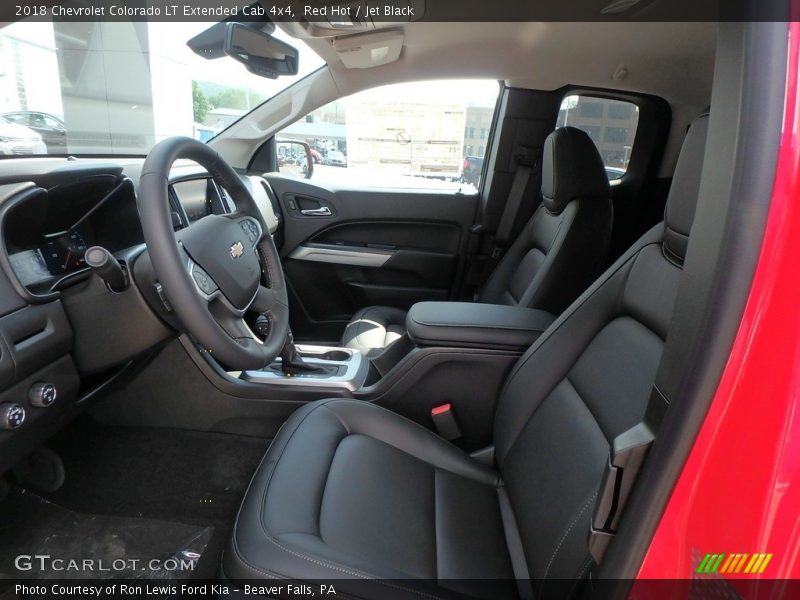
[[119, 88]]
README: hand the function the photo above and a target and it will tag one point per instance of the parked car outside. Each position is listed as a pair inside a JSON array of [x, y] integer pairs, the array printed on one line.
[[16, 139], [471, 170], [336, 159], [614, 173], [49, 127]]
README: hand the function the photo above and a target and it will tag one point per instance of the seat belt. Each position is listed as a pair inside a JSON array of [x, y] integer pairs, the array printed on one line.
[[526, 165], [484, 253], [625, 459]]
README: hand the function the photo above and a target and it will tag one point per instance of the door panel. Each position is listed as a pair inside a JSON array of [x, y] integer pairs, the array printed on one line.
[[344, 249]]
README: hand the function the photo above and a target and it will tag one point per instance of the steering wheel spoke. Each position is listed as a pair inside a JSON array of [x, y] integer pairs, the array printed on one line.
[[212, 271]]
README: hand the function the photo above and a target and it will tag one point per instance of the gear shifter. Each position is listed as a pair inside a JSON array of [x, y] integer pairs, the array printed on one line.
[[293, 364]]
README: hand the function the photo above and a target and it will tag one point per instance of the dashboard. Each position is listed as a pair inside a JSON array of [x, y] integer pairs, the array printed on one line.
[[47, 231], [61, 328]]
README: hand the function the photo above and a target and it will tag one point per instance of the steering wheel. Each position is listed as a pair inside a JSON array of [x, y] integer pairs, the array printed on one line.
[[211, 272]]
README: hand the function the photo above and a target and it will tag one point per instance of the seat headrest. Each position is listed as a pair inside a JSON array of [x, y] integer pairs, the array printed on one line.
[[571, 169], [682, 199]]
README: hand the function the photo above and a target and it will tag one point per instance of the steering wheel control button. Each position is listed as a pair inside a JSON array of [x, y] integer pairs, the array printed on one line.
[[203, 281], [251, 230], [12, 415], [42, 395]]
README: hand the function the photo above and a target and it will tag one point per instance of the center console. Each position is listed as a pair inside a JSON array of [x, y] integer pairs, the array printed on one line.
[[329, 367], [455, 354], [474, 325]]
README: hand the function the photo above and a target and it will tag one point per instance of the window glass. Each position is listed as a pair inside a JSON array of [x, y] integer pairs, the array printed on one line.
[[119, 87], [428, 135], [610, 123]]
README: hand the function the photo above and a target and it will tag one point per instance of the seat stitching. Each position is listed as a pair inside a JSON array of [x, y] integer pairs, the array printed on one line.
[[328, 475], [579, 577], [566, 533], [338, 418], [321, 563], [585, 568], [270, 574], [435, 529]]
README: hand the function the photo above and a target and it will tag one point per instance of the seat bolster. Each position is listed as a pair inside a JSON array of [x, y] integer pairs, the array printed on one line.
[[277, 532], [554, 353], [374, 328]]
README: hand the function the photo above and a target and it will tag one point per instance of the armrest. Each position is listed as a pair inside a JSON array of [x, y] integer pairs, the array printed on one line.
[[475, 325]]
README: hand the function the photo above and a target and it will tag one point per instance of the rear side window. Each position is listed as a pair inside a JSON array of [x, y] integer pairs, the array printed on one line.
[[610, 123]]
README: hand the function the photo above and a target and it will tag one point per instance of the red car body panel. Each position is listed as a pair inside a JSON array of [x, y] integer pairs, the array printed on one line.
[[739, 491]]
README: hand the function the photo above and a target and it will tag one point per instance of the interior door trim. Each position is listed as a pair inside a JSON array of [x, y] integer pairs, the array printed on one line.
[[343, 255]]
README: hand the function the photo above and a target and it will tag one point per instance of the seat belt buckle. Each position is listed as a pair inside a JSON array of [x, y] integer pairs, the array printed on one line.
[[497, 252], [445, 421], [625, 459]]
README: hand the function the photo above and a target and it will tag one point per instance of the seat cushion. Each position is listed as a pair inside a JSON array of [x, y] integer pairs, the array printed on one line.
[[372, 329], [349, 490]]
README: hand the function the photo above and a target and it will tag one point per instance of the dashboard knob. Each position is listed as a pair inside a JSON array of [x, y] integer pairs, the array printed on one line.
[[42, 394], [12, 415]]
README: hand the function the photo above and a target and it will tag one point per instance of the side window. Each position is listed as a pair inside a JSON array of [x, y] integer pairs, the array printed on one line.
[[18, 119], [429, 135], [610, 123]]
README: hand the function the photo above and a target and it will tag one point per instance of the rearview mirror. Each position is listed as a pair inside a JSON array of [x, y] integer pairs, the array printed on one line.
[[294, 158], [261, 53]]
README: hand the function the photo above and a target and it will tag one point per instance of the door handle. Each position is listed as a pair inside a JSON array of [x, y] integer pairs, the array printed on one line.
[[322, 211]]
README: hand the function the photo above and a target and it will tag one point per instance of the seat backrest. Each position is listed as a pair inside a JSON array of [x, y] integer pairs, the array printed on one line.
[[561, 249], [588, 379]]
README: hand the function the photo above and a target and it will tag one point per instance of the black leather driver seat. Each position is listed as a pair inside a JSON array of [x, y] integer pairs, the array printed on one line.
[[559, 252], [352, 491]]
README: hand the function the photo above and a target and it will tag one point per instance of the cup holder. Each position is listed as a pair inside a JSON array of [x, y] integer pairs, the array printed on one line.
[[336, 355]]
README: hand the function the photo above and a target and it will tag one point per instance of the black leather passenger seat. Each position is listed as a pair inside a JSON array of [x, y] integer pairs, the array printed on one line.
[[559, 252], [355, 492]]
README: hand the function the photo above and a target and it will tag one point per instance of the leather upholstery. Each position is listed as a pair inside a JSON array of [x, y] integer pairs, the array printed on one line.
[[468, 325], [554, 259], [352, 490], [557, 255], [571, 169], [373, 328], [679, 212], [349, 490]]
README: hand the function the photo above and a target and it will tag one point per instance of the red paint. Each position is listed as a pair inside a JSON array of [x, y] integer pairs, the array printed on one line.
[[740, 488]]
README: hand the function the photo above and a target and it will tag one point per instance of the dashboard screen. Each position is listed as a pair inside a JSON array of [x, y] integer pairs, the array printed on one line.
[[29, 266], [193, 196], [56, 256]]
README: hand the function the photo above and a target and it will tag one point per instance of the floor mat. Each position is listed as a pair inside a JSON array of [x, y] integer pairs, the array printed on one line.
[[189, 477], [39, 539]]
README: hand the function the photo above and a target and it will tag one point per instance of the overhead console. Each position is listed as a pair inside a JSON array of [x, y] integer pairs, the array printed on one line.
[[349, 17]]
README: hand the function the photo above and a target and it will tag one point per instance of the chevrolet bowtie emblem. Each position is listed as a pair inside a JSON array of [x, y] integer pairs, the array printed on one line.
[[237, 250]]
